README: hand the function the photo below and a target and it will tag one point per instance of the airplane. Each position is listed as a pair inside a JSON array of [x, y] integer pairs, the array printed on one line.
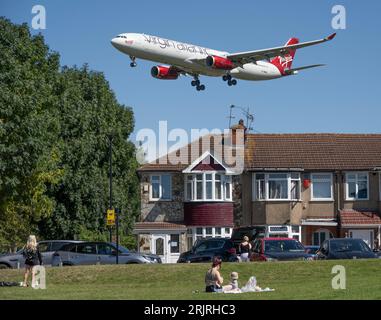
[[186, 59]]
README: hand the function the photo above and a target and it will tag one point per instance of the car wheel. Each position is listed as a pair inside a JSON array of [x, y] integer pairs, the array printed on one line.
[[4, 266]]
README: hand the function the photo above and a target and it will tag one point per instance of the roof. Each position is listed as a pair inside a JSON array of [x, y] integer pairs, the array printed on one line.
[[305, 151], [324, 151], [159, 226], [353, 217]]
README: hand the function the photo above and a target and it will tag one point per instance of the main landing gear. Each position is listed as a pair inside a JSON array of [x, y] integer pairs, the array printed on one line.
[[196, 83], [133, 62], [228, 78]]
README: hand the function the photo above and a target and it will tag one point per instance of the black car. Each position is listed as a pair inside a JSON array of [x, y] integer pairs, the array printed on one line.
[[205, 249], [252, 232], [345, 248]]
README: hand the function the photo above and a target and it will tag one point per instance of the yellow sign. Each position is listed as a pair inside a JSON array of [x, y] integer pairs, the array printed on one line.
[[110, 217]]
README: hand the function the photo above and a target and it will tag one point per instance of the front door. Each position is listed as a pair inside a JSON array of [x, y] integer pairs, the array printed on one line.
[[366, 235], [160, 246]]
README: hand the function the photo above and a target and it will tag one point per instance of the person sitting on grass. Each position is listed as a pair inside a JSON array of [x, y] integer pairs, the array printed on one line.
[[213, 279], [233, 285], [32, 258]]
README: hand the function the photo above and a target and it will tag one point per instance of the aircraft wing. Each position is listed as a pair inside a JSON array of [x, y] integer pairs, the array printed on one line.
[[266, 54]]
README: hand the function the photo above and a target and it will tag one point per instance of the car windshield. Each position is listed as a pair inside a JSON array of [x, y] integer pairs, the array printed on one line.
[[283, 246], [121, 248], [349, 245], [250, 232]]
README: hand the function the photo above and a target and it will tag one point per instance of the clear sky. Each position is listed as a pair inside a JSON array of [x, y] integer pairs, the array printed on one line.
[[344, 96]]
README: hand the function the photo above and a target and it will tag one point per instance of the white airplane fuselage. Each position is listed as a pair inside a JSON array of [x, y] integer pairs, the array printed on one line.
[[174, 53]]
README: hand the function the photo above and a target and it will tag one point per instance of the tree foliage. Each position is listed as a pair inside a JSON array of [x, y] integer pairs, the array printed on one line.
[[54, 127]]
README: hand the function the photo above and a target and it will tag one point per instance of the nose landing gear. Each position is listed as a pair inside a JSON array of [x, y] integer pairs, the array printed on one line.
[[228, 78], [133, 62]]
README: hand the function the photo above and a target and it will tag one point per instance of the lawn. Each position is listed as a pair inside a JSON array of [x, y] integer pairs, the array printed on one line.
[[291, 280]]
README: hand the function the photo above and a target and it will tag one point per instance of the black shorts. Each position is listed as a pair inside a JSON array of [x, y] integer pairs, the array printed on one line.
[[212, 289]]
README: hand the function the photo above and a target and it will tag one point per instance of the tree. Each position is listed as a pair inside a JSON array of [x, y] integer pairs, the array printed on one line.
[[54, 124]]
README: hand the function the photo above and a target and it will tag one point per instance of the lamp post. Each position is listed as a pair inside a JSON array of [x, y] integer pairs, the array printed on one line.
[[110, 137]]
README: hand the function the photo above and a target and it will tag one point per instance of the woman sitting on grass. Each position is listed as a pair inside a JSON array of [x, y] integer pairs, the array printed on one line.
[[213, 279]]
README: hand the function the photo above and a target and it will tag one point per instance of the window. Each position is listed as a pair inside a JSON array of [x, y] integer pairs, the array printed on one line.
[[105, 249], [357, 186], [161, 187], [321, 186], [277, 186], [208, 186], [175, 239], [86, 249]]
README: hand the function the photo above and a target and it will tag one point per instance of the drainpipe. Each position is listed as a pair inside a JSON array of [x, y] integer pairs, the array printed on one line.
[[379, 236]]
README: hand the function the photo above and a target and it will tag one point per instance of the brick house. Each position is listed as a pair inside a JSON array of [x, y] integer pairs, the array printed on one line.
[[307, 186]]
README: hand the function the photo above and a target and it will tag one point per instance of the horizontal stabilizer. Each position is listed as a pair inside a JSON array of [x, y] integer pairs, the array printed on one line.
[[295, 70]]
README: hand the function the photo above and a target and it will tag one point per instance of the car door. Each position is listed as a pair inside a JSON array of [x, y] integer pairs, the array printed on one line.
[[200, 252], [46, 253], [86, 254], [106, 253]]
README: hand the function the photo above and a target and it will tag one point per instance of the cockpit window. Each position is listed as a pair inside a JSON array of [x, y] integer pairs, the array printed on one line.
[[121, 36]]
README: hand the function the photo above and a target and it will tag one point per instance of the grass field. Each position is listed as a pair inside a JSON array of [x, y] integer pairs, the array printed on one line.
[[291, 280]]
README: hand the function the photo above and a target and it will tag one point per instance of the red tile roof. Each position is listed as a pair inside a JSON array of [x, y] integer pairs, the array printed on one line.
[[308, 151], [159, 226], [353, 217]]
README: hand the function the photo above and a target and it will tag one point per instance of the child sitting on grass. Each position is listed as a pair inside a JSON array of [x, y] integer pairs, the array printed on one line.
[[233, 285]]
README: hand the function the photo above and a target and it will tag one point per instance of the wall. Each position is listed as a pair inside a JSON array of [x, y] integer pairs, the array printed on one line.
[[159, 211]]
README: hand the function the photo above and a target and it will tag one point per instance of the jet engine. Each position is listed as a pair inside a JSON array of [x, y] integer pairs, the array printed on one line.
[[219, 63], [164, 73]]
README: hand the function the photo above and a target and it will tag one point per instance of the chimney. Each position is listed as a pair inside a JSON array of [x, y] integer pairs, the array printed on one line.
[[241, 130]]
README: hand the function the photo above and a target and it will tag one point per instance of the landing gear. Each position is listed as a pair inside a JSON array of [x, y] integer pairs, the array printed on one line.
[[228, 78], [133, 62], [196, 83]]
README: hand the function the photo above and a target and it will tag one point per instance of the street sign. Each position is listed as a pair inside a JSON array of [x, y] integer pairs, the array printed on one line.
[[110, 217]]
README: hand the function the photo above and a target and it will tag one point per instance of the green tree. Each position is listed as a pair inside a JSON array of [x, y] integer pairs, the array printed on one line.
[[54, 124]]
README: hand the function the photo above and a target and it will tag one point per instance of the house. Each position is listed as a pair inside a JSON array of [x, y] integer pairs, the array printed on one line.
[[306, 186]]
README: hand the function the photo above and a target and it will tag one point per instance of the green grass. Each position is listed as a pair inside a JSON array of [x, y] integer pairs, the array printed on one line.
[[291, 280]]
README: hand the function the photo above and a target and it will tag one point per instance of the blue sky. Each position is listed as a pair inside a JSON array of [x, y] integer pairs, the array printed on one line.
[[344, 96]]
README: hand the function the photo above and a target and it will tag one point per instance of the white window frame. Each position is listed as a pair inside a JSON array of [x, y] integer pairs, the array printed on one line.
[[321, 180], [204, 199], [151, 198], [327, 232], [266, 193], [192, 233], [347, 186]]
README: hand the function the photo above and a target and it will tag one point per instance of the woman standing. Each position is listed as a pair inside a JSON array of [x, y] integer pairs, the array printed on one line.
[[213, 279], [244, 248], [32, 257]]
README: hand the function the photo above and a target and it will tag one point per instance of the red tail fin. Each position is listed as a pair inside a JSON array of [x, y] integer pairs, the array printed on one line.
[[284, 62]]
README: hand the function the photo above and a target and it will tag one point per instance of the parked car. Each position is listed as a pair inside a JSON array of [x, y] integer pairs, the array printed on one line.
[[205, 249], [278, 249], [345, 248], [312, 250], [47, 249], [88, 253], [252, 232]]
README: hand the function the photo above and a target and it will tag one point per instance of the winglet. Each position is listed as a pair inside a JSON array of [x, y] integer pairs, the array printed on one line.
[[330, 37]]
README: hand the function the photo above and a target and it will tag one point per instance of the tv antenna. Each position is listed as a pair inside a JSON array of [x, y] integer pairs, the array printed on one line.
[[246, 112]]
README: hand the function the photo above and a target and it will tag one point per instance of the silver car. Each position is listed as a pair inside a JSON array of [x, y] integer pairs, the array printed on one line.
[[46, 248], [89, 253]]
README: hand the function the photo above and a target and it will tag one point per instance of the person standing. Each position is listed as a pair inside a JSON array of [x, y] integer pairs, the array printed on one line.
[[32, 258], [244, 248], [213, 279]]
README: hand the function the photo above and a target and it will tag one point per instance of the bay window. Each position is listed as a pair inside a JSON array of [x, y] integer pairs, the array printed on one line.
[[208, 186], [321, 187], [161, 187], [357, 186], [276, 186]]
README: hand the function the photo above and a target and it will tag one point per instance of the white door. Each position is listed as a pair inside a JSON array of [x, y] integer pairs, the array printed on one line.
[[366, 235], [160, 246]]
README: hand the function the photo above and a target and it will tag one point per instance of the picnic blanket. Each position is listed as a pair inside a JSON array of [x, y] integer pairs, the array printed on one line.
[[250, 286]]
